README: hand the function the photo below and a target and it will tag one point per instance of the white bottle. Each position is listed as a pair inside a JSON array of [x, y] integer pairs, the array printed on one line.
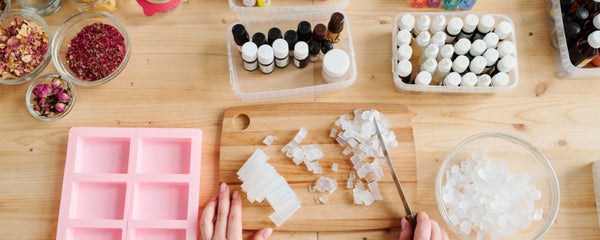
[[406, 22], [477, 48], [422, 40], [453, 28], [447, 51], [429, 65], [404, 52], [484, 81], [503, 30], [250, 56], [491, 57], [460, 64], [336, 64], [462, 46], [484, 27], [505, 64], [438, 24], [468, 80], [443, 69], [477, 65], [404, 71], [266, 59], [505, 48], [430, 51], [423, 78], [439, 38], [281, 51], [470, 23], [300, 54], [500, 79], [422, 25], [452, 80], [403, 37], [491, 40]]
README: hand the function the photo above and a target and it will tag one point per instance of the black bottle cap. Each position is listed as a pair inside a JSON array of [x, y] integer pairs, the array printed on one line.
[[319, 32], [314, 47], [581, 14], [572, 29], [326, 46], [304, 31], [336, 23], [259, 39], [274, 34], [292, 38], [240, 36], [566, 3]]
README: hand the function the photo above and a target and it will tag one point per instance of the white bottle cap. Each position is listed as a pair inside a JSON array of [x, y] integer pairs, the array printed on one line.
[[486, 23], [301, 50], [423, 23], [506, 48], [429, 65], [265, 54], [423, 78], [491, 40], [455, 25], [444, 66], [477, 65], [452, 79], [280, 48], [446, 51], [403, 37], [470, 23], [438, 24], [431, 51], [423, 39], [596, 21], [462, 46], [404, 68], [503, 29], [500, 79], [405, 52], [249, 3], [336, 63], [594, 39], [439, 38], [491, 56], [484, 80], [460, 64], [406, 22], [506, 64], [477, 48], [249, 52], [468, 80]]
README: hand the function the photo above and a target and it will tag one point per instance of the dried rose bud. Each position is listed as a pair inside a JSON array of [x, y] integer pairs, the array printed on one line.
[[56, 83], [60, 107], [63, 97], [42, 91]]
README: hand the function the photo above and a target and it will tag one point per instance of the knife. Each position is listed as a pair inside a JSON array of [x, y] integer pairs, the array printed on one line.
[[411, 217]]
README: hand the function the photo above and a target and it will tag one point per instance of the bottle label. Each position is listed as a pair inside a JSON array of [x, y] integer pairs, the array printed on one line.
[[282, 62], [251, 66], [296, 62], [267, 68]]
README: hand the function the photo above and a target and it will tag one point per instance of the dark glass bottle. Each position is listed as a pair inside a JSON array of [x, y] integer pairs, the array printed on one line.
[[326, 45], [240, 35], [292, 38], [259, 39], [335, 27], [320, 32], [304, 31], [274, 34]]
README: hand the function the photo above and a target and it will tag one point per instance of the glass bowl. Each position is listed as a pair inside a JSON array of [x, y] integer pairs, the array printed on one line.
[[520, 156], [69, 29], [5, 19], [6, 7], [47, 79]]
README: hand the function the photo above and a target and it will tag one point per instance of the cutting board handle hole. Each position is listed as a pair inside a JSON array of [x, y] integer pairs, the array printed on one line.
[[241, 121]]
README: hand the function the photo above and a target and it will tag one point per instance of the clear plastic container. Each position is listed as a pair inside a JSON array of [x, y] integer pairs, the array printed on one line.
[[286, 7], [514, 74], [565, 68], [289, 81]]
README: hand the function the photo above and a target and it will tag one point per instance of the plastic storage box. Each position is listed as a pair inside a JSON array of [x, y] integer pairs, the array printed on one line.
[[286, 7], [289, 81], [565, 68], [127, 183], [514, 74]]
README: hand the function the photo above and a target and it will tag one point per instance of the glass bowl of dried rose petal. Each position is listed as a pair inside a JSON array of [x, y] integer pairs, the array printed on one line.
[[90, 48], [50, 97], [24, 46]]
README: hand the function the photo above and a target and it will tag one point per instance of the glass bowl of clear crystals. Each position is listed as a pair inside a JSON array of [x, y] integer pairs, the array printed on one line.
[[497, 186]]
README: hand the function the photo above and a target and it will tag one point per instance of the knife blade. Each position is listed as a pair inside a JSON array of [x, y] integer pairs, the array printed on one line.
[[411, 217]]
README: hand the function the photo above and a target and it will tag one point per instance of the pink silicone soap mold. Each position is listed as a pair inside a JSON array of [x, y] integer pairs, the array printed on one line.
[[131, 183]]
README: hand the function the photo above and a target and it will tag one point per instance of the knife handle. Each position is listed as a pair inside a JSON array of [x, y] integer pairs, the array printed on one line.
[[412, 220]]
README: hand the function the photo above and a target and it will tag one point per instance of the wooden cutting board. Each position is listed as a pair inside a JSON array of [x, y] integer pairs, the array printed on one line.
[[284, 121]]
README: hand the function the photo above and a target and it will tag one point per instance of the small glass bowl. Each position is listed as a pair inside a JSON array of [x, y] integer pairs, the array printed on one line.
[[96, 5], [47, 78], [19, 14], [69, 29], [521, 156]]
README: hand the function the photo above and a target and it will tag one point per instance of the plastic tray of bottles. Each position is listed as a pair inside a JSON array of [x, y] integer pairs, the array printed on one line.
[[513, 75], [286, 7], [290, 81], [565, 68]]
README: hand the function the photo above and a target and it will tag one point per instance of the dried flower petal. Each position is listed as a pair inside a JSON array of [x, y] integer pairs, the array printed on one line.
[[63, 97], [23, 46], [42, 91], [60, 107]]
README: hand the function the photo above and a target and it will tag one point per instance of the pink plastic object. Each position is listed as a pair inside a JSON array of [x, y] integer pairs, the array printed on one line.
[[153, 8], [131, 183]]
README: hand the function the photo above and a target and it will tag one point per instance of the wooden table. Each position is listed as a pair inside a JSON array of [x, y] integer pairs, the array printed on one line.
[[177, 77]]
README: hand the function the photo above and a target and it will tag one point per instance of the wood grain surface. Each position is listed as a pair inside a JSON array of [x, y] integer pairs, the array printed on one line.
[[178, 77], [283, 122]]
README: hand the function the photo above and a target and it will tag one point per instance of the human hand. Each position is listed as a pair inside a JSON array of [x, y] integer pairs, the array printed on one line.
[[223, 219], [426, 229]]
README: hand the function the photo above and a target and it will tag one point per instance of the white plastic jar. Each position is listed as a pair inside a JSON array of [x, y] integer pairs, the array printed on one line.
[[336, 64]]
